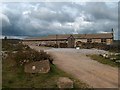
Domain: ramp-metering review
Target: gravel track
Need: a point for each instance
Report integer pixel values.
(76, 63)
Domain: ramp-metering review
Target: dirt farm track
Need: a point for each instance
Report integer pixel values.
(76, 63)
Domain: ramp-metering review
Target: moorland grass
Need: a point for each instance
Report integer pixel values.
(103, 60)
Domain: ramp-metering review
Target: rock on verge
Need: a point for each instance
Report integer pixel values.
(42, 66)
(64, 82)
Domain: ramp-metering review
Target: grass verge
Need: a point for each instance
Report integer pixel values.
(103, 60)
(14, 77)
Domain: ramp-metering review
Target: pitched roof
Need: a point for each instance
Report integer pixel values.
(77, 36)
(93, 36)
(51, 37)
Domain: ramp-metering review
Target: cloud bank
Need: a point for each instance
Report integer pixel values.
(46, 18)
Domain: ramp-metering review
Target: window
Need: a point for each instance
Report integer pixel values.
(103, 40)
(89, 40)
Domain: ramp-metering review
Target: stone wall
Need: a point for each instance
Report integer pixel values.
(82, 40)
(109, 41)
(96, 40)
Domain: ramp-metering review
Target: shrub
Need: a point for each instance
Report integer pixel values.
(13, 45)
(23, 57)
(24, 53)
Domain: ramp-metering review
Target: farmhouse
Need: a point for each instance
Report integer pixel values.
(70, 40)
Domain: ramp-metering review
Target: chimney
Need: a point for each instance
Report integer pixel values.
(112, 30)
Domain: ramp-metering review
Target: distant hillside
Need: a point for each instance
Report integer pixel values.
(11, 44)
(12, 41)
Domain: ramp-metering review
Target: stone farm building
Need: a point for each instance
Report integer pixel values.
(70, 40)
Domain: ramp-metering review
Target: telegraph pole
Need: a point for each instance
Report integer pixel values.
(113, 33)
(57, 40)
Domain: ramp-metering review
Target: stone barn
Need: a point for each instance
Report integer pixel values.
(105, 38)
(70, 40)
(61, 41)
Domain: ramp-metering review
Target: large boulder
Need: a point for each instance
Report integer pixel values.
(42, 66)
(64, 82)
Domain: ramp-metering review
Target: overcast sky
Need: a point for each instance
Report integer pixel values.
(45, 18)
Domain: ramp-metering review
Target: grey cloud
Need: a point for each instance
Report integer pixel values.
(99, 10)
(39, 19)
(5, 20)
(50, 15)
